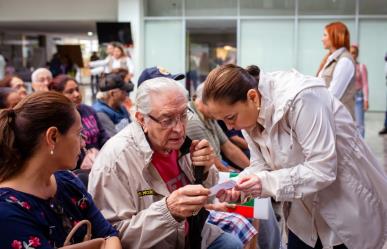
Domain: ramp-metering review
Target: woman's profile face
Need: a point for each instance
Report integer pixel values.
(71, 91)
(241, 115)
(117, 53)
(326, 41)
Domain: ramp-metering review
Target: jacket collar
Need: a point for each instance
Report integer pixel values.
(278, 90)
(141, 141)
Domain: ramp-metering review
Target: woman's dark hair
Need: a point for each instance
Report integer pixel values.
(230, 83)
(21, 127)
(58, 84)
(4, 93)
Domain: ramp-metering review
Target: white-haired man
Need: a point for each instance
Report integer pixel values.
(40, 79)
(141, 179)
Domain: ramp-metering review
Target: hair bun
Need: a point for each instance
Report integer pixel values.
(254, 71)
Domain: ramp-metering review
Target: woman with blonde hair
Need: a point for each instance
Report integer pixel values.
(338, 67)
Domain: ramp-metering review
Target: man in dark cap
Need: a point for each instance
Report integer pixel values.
(109, 106)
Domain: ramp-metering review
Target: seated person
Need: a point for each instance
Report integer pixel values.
(40, 79)
(93, 131)
(9, 97)
(202, 126)
(40, 200)
(15, 83)
(236, 137)
(109, 106)
(141, 180)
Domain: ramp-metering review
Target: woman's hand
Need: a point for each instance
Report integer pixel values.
(250, 185)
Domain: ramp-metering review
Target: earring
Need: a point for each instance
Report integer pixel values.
(52, 152)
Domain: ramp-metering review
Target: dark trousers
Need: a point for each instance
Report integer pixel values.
(295, 243)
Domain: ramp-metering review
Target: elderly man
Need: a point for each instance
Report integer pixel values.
(202, 126)
(141, 177)
(114, 90)
(41, 78)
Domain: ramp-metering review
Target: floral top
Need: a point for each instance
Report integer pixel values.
(27, 221)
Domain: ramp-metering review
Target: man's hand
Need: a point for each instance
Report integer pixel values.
(202, 154)
(187, 201)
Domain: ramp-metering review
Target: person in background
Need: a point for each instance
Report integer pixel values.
(384, 130)
(97, 64)
(93, 131)
(305, 151)
(361, 104)
(128, 104)
(114, 90)
(338, 67)
(203, 126)
(9, 97)
(41, 78)
(16, 83)
(40, 200)
(119, 59)
(94, 79)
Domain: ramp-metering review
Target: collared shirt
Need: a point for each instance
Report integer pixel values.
(342, 75)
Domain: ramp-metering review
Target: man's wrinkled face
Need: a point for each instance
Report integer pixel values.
(165, 125)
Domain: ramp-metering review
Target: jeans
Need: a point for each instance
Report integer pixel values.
(359, 112)
(269, 235)
(226, 241)
(296, 243)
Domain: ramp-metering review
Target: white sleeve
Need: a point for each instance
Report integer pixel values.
(342, 75)
(99, 63)
(130, 64)
(313, 123)
(257, 163)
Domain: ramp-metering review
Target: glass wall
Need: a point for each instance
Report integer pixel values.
(267, 43)
(372, 49)
(164, 45)
(274, 34)
(310, 49)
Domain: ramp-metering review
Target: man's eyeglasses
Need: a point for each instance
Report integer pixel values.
(168, 123)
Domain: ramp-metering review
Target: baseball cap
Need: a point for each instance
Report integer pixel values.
(154, 72)
(114, 81)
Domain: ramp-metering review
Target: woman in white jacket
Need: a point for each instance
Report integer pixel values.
(305, 151)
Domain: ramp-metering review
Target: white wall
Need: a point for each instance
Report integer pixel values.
(42, 10)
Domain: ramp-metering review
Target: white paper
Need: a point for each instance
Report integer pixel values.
(222, 186)
(261, 208)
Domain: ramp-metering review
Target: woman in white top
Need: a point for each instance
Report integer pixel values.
(117, 60)
(338, 67)
(305, 151)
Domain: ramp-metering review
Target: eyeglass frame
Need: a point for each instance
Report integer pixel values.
(174, 120)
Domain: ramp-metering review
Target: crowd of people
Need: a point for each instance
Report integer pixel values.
(142, 174)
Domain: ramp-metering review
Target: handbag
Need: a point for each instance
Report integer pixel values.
(87, 243)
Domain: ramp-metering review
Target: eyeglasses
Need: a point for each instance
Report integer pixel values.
(168, 123)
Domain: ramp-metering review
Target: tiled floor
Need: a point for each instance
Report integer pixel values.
(378, 144)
